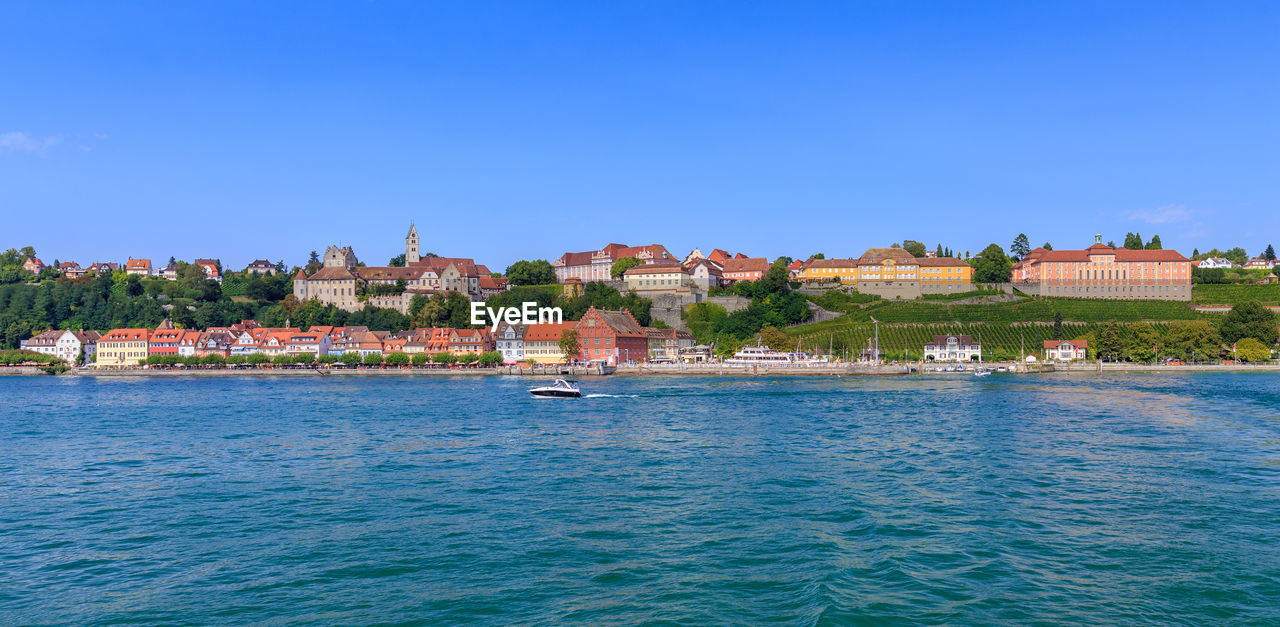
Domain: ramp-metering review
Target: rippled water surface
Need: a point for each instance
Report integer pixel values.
(702, 500)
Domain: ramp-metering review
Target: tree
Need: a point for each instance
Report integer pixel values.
(1133, 241)
(468, 358)
(1154, 244)
(397, 262)
(420, 359)
(535, 272)
(773, 338)
(1249, 319)
(817, 256)
(938, 252)
(622, 265)
(775, 279)
(912, 246)
(1057, 325)
(1195, 252)
(282, 359)
(490, 359)
(257, 359)
(1107, 342)
(1192, 340)
(570, 345)
(1021, 246)
(372, 359)
(1251, 350)
(397, 359)
(1237, 256)
(992, 266)
(1047, 246)
(1141, 342)
(445, 358)
(349, 358)
(1269, 254)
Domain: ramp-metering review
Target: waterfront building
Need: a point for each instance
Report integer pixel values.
(33, 265)
(743, 269)
(542, 342)
(462, 341)
(611, 338)
(952, 348)
(65, 344)
(667, 345)
(1066, 350)
(659, 279)
(595, 265)
(187, 343)
(138, 267)
(510, 342)
(123, 347)
(1101, 271)
(164, 340)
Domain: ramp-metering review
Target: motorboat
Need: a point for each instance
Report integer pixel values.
(981, 373)
(561, 388)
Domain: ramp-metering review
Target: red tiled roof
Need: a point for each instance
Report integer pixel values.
(548, 332)
(754, 264)
(1075, 343)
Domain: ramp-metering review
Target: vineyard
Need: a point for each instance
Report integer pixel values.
(1027, 310)
(1231, 294)
(1000, 340)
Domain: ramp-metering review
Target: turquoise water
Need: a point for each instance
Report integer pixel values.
(1054, 499)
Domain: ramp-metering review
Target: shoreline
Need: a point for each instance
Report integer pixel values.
(717, 370)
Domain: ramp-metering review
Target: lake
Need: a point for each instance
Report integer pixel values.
(1051, 498)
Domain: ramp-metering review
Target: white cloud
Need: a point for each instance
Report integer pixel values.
(1166, 214)
(16, 141)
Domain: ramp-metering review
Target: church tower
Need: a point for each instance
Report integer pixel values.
(411, 245)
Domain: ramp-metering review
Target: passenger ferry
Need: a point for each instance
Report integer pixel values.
(764, 356)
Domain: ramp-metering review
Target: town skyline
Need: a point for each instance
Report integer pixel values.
(850, 126)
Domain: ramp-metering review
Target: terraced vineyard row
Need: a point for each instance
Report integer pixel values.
(1233, 294)
(999, 339)
(1027, 310)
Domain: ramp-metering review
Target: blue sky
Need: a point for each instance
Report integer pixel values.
(521, 130)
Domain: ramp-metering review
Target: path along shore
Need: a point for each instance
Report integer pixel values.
(642, 370)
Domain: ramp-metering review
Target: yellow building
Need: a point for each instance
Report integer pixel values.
(123, 347)
(892, 273)
(828, 270)
(542, 342)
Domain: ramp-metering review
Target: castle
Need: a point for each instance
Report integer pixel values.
(344, 283)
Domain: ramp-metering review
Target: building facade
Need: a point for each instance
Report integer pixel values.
(611, 338)
(1066, 350)
(953, 348)
(123, 347)
(1101, 271)
(596, 265)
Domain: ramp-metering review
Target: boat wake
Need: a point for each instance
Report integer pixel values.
(610, 396)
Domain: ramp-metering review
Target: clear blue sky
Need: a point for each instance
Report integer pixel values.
(509, 131)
